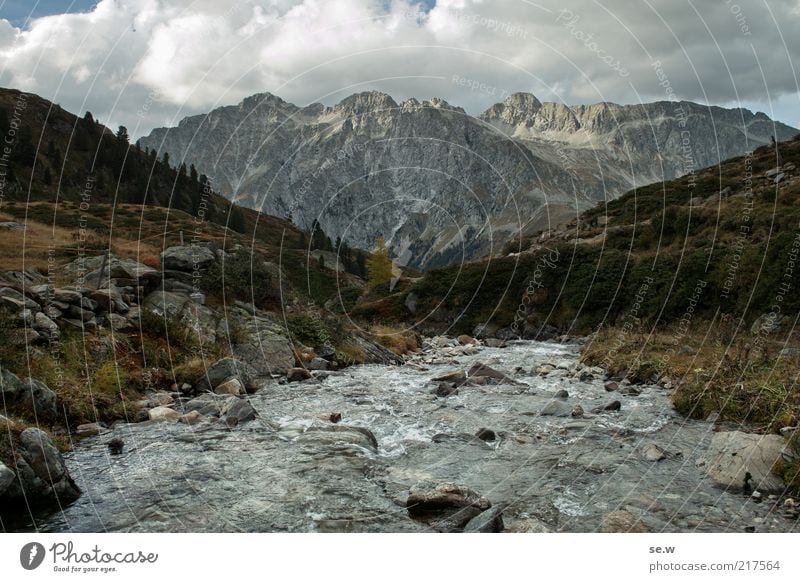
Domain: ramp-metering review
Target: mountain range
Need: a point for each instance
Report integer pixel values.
(440, 185)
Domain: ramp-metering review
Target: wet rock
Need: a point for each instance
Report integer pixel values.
(46, 479)
(610, 407)
(486, 434)
(465, 340)
(544, 369)
(445, 389)
(191, 418)
(115, 446)
(621, 521)
(208, 404)
(162, 413)
(445, 506)
(556, 408)
(456, 377)
(563, 394)
(187, 258)
(237, 411)
(492, 342)
(233, 387)
(611, 386)
(741, 460)
(88, 429)
(480, 370)
(577, 411)
(585, 376)
(490, 521)
(332, 436)
(652, 452)
(297, 374)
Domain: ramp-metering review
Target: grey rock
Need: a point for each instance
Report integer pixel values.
(652, 452)
(47, 464)
(11, 387)
(733, 456)
(318, 364)
(561, 394)
(556, 408)
(237, 411)
(489, 521)
(187, 258)
(39, 398)
(46, 326)
(225, 369)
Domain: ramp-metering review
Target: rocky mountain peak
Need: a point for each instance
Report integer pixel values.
(365, 102)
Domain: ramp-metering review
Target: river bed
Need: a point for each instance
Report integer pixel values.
(288, 471)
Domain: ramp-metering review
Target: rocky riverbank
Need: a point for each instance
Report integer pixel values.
(461, 437)
(105, 339)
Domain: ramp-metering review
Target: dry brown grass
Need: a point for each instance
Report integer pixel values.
(397, 339)
(31, 247)
(710, 372)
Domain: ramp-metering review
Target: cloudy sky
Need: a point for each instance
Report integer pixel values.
(147, 63)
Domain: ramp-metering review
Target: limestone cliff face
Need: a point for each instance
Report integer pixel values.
(438, 184)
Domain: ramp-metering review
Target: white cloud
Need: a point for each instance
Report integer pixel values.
(144, 63)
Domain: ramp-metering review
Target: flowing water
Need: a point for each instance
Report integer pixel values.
(290, 471)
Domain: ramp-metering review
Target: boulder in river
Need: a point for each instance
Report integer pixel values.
(742, 461)
(297, 374)
(238, 410)
(652, 452)
(456, 377)
(486, 434)
(490, 521)
(444, 389)
(479, 370)
(445, 506)
(556, 408)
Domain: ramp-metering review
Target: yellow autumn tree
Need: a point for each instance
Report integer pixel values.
(379, 266)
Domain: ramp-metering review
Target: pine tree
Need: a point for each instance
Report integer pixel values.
(193, 174)
(379, 266)
(122, 134)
